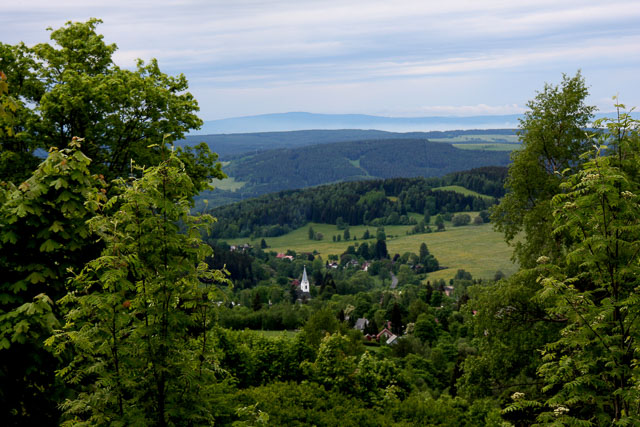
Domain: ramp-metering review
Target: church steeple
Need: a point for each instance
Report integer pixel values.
(304, 285)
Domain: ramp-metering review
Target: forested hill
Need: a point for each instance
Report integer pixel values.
(285, 169)
(361, 202)
(230, 145)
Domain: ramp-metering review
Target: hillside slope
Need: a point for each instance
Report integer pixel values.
(284, 169)
(231, 145)
(359, 203)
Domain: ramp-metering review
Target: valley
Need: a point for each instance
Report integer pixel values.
(346, 269)
(477, 249)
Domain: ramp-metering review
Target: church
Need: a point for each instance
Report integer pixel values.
(304, 284)
(303, 291)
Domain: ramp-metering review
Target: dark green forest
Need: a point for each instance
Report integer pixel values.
(376, 202)
(347, 161)
(119, 307)
(231, 146)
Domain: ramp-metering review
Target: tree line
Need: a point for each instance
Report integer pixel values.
(353, 203)
(349, 161)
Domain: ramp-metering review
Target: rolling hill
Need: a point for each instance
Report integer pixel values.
(232, 145)
(284, 169)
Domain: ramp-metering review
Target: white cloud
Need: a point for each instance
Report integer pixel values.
(322, 54)
(471, 110)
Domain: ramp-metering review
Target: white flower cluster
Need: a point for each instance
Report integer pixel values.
(628, 195)
(589, 177)
(517, 395)
(560, 410)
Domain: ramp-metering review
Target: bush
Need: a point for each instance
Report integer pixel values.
(460, 219)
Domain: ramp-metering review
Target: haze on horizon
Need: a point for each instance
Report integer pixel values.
(400, 59)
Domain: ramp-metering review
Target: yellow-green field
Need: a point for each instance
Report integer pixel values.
(495, 146)
(478, 137)
(229, 184)
(462, 190)
(476, 248)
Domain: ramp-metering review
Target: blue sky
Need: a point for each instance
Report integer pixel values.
(394, 58)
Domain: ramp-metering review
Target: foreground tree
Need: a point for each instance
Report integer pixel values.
(512, 322)
(43, 234)
(19, 88)
(552, 134)
(591, 371)
(73, 88)
(139, 314)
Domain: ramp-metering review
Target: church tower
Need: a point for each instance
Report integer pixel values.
(304, 285)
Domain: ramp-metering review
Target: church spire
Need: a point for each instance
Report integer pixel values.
(304, 285)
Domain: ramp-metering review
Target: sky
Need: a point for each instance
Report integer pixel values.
(400, 58)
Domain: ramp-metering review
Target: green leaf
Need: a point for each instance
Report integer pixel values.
(56, 227)
(35, 277)
(59, 183)
(49, 246)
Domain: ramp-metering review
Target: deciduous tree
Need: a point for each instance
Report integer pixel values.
(139, 314)
(552, 135)
(73, 88)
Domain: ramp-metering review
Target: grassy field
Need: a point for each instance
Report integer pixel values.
(229, 184)
(494, 146)
(462, 190)
(476, 248)
(478, 138)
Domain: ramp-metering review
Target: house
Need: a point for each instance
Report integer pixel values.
(365, 266)
(361, 324)
(448, 290)
(385, 334)
(283, 256)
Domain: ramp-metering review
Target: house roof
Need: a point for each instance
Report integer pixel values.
(361, 323)
(392, 339)
(386, 332)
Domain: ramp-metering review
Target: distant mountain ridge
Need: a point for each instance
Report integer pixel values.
(278, 122)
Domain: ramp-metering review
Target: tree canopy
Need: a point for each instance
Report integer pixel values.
(71, 87)
(552, 134)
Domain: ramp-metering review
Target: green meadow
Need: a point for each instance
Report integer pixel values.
(481, 138)
(228, 184)
(477, 249)
(495, 146)
(462, 190)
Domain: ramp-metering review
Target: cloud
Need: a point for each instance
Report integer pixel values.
(472, 110)
(354, 48)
